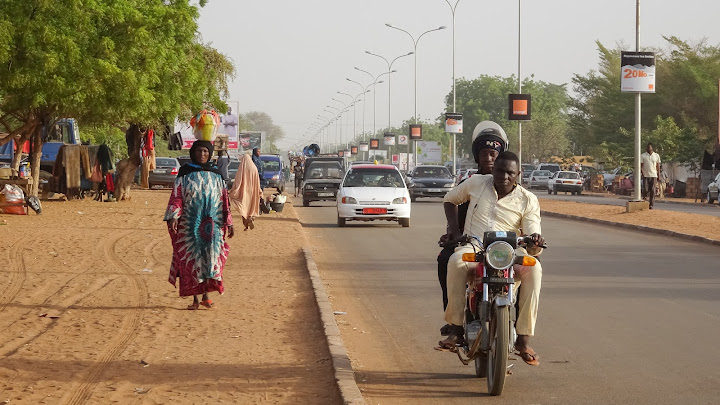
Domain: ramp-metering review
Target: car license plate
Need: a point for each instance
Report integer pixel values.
(374, 210)
(159, 171)
(325, 194)
(568, 182)
(435, 190)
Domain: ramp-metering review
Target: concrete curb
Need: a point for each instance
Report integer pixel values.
(655, 231)
(344, 375)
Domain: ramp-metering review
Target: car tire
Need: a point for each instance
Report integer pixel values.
(413, 198)
(555, 192)
(341, 221)
(549, 190)
(709, 199)
(306, 203)
(404, 222)
(578, 192)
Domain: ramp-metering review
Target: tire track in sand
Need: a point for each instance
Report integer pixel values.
(17, 273)
(82, 391)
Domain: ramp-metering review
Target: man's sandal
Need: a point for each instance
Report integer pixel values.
(529, 356)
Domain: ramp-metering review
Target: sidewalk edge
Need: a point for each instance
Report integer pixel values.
(344, 375)
(640, 228)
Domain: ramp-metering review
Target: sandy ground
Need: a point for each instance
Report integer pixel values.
(694, 224)
(87, 314)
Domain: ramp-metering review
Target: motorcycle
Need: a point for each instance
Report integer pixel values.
(490, 302)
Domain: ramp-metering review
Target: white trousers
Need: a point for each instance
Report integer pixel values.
(529, 276)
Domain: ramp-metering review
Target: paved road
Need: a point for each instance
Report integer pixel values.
(625, 317)
(706, 209)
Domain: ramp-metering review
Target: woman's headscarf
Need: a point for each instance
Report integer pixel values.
(245, 193)
(196, 166)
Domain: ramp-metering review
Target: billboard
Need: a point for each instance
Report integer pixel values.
(453, 123)
(229, 124)
(519, 107)
(389, 138)
(428, 152)
(638, 72)
(415, 132)
(249, 140)
(364, 147)
(374, 143)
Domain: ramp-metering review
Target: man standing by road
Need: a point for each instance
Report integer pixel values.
(650, 167)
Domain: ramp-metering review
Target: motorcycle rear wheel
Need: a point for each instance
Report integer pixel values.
(498, 354)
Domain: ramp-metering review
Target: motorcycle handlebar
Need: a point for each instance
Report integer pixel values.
(465, 239)
(527, 241)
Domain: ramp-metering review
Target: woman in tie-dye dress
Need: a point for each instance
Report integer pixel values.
(199, 221)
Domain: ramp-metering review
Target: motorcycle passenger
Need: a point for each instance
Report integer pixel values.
(497, 203)
(489, 140)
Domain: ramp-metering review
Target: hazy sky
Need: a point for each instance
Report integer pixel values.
(292, 56)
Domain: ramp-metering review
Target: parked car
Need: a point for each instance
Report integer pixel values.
(273, 172)
(539, 179)
(527, 169)
(164, 174)
(374, 192)
(184, 159)
(712, 194)
(565, 181)
(233, 167)
(430, 181)
(552, 167)
(322, 180)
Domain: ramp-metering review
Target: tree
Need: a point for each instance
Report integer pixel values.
(261, 121)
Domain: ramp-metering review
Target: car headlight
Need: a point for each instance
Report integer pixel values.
(449, 185)
(276, 177)
(500, 255)
(348, 200)
(400, 200)
(309, 187)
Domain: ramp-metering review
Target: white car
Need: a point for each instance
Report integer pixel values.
(713, 187)
(373, 192)
(565, 181)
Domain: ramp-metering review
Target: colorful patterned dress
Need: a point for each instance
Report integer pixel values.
(200, 203)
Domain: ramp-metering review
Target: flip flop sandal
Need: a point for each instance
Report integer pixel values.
(529, 357)
(193, 307)
(207, 304)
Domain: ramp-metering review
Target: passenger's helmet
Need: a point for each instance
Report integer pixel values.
(488, 134)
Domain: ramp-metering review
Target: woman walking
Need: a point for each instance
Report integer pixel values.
(246, 193)
(199, 221)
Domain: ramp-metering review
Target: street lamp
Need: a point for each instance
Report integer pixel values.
(375, 81)
(415, 45)
(389, 65)
(453, 8)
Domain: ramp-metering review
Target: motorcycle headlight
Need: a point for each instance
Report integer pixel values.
(400, 200)
(500, 255)
(349, 200)
(449, 185)
(309, 187)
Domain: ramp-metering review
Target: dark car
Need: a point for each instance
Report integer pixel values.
(233, 167)
(166, 170)
(430, 181)
(184, 159)
(322, 180)
(273, 172)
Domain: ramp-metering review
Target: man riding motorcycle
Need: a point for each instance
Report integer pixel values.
(497, 203)
(489, 140)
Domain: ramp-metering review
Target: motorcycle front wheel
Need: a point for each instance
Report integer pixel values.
(498, 354)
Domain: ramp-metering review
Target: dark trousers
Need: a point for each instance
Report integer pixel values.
(443, 259)
(648, 188)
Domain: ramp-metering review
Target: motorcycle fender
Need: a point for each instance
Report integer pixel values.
(503, 302)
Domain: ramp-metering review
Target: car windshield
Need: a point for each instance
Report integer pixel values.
(528, 168)
(432, 172)
(542, 173)
(373, 178)
(271, 165)
(568, 175)
(321, 170)
(551, 168)
(165, 162)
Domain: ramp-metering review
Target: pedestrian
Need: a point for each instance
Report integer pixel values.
(199, 221)
(299, 173)
(222, 163)
(649, 167)
(261, 175)
(245, 194)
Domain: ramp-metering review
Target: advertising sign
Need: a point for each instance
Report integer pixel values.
(403, 161)
(251, 140)
(389, 138)
(354, 150)
(395, 159)
(229, 124)
(341, 153)
(453, 123)
(364, 147)
(402, 139)
(428, 152)
(374, 143)
(347, 153)
(416, 132)
(638, 72)
(186, 133)
(519, 107)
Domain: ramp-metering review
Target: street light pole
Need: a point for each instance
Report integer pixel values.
(519, 89)
(389, 65)
(415, 45)
(363, 94)
(375, 81)
(638, 111)
(453, 8)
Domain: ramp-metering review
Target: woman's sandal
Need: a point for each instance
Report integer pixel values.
(194, 306)
(207, 304)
